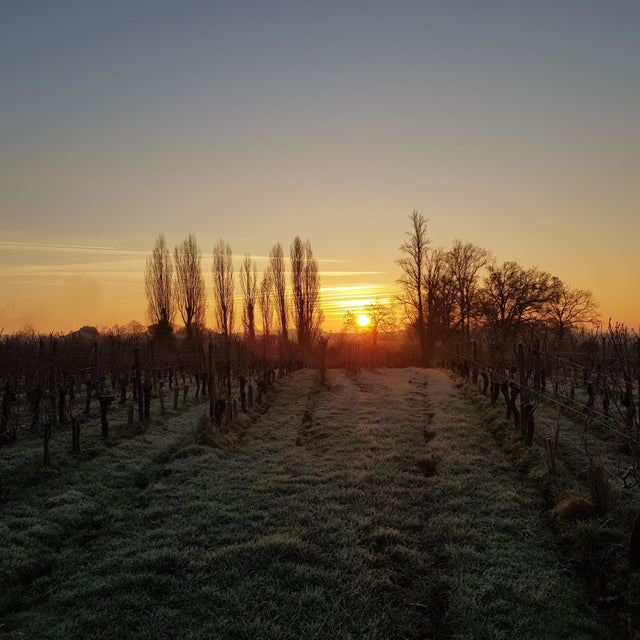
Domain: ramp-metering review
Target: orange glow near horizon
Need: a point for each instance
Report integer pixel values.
(53, 287)
(337, 301)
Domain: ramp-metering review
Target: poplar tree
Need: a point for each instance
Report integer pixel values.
(278, 278)
(158, 288)
(305, 283)
(223, 287)
(249, 287)
(189, 284)
(266, 299)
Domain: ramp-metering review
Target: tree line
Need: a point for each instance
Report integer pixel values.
(454, 293)
(175, 286)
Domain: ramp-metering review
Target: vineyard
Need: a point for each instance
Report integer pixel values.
(590, 395)
(212, 489)
(64, 383)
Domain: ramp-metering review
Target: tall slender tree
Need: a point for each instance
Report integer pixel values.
(266, 299)
(223, 287)
(222, 271)
(249, 287)
(305, 283)
(158, 288)
(278, 276)
(189, 284)
(412, 263)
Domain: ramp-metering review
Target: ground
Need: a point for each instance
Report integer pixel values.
(376, 506)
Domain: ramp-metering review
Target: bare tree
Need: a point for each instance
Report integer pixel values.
(512, 297)
(465, 260)
(278, 275)
(414, 250)
(438, 297)
(222, 271)
(266, 307)
(382, 321)
(189, 284)
(158, 288)
(569, 308)
(305, 282)
(249, 287)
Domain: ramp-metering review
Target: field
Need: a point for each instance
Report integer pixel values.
(385, 504)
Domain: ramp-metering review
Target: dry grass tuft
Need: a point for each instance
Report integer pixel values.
(570, 509)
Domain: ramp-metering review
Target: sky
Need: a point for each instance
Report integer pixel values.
(511, 125)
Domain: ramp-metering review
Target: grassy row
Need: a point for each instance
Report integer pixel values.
(375, 507)
(590, 530)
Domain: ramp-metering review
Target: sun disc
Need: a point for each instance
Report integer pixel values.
(363, 320)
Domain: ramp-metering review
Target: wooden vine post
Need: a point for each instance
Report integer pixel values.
(474, 370)
(212, 386)
(514, 393)
(62, 393)
(89, 385)
(123, 389)
(148, 385)
(52, 383)
(9, 397)
(105, 402)
(161, 396)
(322, 343)
(551, 454)
(528, 422)
(243, 393)
(138, 384)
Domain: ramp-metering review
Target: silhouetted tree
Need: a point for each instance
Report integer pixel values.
(223, 295)
(223, 288)
(412, 264)
(512, 296)
(158, 288)
(569, 308)
(465, 260)
(382, 321)
(249, 287)
(278, 275)
(305, 283)
(438, 297)
(189, 284)
(266, 296)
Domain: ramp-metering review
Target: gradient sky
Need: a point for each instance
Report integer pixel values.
(512, 125)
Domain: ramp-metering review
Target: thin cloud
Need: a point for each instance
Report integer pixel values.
(349, 274)
(354, 287)
(111, 268)
(66, 248)
(338, 300)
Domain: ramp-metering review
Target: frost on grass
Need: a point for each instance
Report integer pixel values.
(374, 506)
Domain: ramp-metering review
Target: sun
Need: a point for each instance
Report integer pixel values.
(363, 320)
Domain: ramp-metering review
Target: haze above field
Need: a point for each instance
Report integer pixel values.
(514, 126)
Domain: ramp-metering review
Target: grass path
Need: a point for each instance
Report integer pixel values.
(377, 507)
